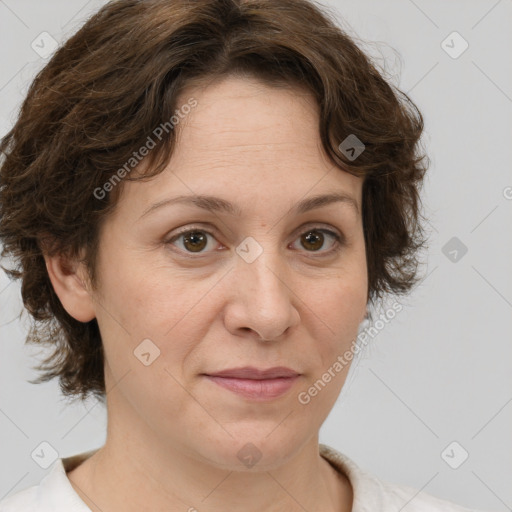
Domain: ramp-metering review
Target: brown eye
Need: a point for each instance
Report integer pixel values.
(192, 241)
(195, 241)
(314, 239)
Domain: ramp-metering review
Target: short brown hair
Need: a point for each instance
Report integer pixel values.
(108, 87)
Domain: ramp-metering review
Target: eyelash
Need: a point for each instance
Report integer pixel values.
(339, 240)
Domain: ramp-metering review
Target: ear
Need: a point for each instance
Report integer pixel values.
(69, 279)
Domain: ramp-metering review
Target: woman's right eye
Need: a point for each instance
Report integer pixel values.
(194, 240)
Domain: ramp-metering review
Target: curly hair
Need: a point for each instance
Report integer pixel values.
(119, 76)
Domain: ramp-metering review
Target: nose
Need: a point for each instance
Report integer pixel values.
(262, 300)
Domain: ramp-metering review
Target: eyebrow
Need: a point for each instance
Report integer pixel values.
(217, 204)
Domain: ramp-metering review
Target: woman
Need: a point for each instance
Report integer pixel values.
(205, 200)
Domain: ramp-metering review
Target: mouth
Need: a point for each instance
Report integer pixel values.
(256, 383)
(256, 389)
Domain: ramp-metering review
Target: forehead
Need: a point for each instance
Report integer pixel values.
(245, 112)
(248, 141)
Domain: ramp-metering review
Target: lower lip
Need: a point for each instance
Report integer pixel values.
(265, 389)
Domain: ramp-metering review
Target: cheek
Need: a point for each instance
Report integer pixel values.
(148, 332)
(145, 302)
(135, 294)
(342, 298)
(337, 310)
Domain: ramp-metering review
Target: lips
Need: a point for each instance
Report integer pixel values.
(249, 372)
(256, 384)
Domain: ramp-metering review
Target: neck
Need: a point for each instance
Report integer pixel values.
(145, 479)
(140, 468)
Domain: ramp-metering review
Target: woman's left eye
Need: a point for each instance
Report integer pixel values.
(196, 240)
(314, 238)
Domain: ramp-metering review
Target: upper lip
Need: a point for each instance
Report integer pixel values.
(249, 372)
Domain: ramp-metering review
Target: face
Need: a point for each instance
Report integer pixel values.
(265, 285)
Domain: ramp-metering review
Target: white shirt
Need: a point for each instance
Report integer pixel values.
(56, 494)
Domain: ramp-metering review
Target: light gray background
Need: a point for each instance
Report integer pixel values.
(441, 371)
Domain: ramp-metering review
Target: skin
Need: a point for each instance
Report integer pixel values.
(173, 435)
